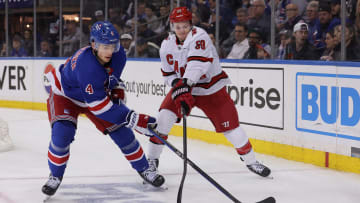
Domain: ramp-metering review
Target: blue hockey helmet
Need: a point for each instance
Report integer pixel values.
(103, 32)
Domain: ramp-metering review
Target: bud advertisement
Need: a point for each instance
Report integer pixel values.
(328, 104)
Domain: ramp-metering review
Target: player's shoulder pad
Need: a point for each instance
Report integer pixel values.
(196, 34)
(166, 43)
(168, 39)
(121, 53)
(80, 58)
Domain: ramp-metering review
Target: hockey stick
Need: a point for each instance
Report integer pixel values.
(185, 159)
(205, 175)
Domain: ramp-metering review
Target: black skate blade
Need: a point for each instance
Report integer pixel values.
(268, 200)
(161, 187)
(269, 177)
(47, 198)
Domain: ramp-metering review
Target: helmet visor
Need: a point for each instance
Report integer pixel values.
(107, 47)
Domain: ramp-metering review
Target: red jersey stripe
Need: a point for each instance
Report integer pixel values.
(100, 106)
(200, 58)
(214, 80)
(167, 73)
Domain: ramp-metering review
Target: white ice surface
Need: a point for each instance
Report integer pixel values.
(97, 172)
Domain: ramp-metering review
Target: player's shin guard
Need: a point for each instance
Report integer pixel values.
(165, 121)
(246, 153)
(59, 148)
(156, 147)
(124, 138)
(135, 155)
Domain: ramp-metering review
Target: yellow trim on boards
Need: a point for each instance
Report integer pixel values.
(315, 157)
(23, 105)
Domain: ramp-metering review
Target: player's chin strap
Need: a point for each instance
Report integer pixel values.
(95, 52)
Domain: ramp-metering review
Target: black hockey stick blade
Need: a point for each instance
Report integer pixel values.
(268, 200)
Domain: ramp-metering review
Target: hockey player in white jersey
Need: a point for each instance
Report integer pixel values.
(190, 65)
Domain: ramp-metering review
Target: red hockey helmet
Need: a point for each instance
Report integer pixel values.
(180, 14)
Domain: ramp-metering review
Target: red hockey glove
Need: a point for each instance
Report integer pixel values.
(117, 94)
(181, 95)
(141, 123)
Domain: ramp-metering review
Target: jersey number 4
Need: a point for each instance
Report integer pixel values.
(89, 89)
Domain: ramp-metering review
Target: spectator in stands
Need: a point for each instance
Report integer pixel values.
(126, 42)
(54, 27)
(300, 48)
(45, 50)
(242, 44)
(71, 40)
(212, 37)
(201, 7)
(357, 22)
(145, 32)
(54, 22)
(280, 12)
(263, 51)
(118, 16)
(335, 8)
(327, 23)
(151, 18)
(259, 18)
(17, 49)
(328, 54)
(220, 51)
(352, 47)
(301, 5)
(28, 43)
(241, 16)
(292, 17)
(285, 39)
(3, 49)
(225, 12)
(224, 23)
(227, 44)
(196, 20)
(130, 23)
(164, 25)
(141, 10)
(99, 15)
(245, 4)
(311, 18)
(145, 49)
(255, 40)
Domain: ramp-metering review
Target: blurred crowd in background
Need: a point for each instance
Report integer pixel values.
(304, 30)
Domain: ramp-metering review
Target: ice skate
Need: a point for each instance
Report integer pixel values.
(151, 175)
(153, 163)
(259, 169)
(51, 186)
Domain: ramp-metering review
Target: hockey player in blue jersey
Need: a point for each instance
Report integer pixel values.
(89, 83)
